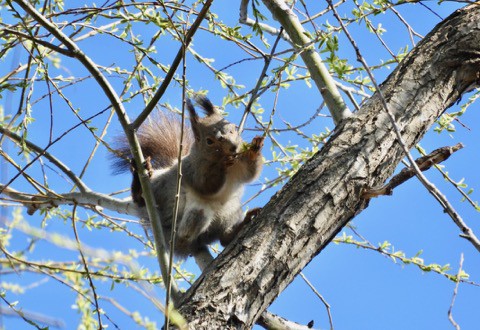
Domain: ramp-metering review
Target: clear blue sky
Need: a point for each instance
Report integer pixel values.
(365, 290)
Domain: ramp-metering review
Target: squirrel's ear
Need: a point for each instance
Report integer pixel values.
(192, 112)
(194, 120)
(206, 105)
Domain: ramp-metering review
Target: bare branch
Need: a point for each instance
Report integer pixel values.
(327, 305)
(88, 199)
(455, 292)
(272, 321)
(244, 19)
(87, 271)
(42, 152)
(32, 316)
(424, 163)
(254, 95)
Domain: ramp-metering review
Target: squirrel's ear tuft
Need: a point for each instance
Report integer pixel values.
(206, 105)
(191, 111)
(194, 120)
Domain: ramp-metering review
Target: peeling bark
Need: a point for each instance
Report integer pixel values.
(301, 219)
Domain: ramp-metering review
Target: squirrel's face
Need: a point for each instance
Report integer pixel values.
(217, 138)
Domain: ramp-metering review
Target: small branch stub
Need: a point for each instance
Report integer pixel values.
(424, 163)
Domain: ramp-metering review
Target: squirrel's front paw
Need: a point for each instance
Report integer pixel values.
(255, 147)
(148, 166)
(257, 143)
(251, 214)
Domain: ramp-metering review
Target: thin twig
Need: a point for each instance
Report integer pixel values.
(40, 269)
(33, 316)
(323, 12)
(244, 19)
(455, 292)
(85, 266)
(21, 313)
(30, 62)
(327, 305)
(61, 267)
(375, 31)
(168, 303)
(253, 97)
(173, 67)
(274, 108)
(41, 189)
(43, 152)
(37, 40)
(393, 255)
(411, 31)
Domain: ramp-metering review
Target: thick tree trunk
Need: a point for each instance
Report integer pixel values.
(324, 195)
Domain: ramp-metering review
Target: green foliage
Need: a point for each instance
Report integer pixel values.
(387, 249)
(446, 122)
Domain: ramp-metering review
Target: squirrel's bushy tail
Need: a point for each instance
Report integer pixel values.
(159, 137)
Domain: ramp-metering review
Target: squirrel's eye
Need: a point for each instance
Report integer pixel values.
(209, 141)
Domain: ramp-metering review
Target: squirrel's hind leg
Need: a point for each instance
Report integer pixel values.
(230, 233)
(136, 187)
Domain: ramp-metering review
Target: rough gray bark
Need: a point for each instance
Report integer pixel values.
(324, 195)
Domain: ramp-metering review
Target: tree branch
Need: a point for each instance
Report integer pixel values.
(88, 199)
(327, 305)
(424, 163)
(455, 292)
(37, 40)
(272, 321)
(318, 71)
(203, 258)
(255, 90)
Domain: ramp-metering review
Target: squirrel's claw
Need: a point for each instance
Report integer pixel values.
(255, 147)
(257, 143)
(148, 166)
(252, 214)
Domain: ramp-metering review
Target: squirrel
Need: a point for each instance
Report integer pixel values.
(216, 164)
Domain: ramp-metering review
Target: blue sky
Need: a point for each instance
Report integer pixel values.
(364, 289)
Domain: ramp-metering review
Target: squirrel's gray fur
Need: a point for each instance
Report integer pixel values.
(216, 164)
